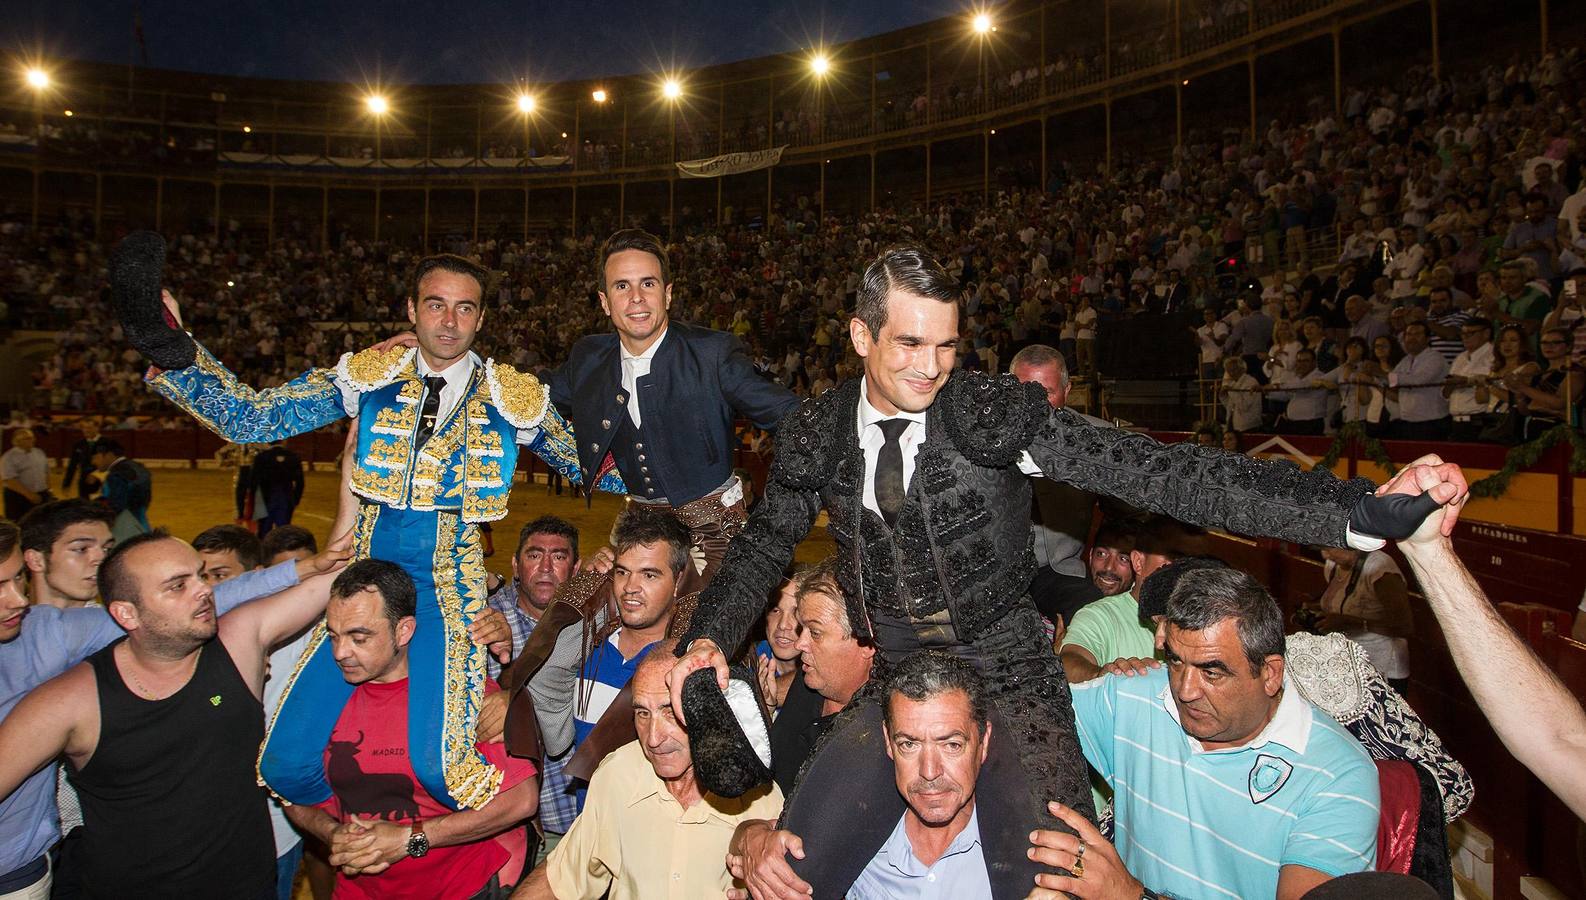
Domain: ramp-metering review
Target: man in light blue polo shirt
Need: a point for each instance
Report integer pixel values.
(1227, 783)
(937, 730)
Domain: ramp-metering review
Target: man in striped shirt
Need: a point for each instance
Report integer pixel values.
(1227, 783)
(547, 556)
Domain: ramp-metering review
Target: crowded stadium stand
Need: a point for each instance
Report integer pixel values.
(1215, 209)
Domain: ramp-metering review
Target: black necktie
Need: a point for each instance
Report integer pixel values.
(431, 410)
(889, 470)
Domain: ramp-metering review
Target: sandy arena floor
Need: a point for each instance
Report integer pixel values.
(186, 501)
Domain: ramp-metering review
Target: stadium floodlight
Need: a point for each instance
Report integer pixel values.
(525, 103)
(981, 23)
(671, 89)
(819, 64)
(37, 78)
(599, 95)
(377, 104)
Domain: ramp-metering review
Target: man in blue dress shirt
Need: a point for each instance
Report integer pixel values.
(937, 733)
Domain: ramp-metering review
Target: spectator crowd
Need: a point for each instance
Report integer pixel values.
(1435, 217)
(1448, 305)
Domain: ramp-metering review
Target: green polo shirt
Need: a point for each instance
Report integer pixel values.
(1110, 628)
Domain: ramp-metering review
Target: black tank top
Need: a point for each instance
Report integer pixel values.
(171, 807)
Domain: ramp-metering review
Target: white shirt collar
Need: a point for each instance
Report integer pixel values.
(869, 415)
(649, 352)
(456, 374)
(1289, 726)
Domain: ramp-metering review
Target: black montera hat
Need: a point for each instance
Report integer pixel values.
(729, 733)
(136, 267)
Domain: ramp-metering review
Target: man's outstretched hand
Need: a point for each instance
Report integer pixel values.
(1434, 531)
(335, 556)
(1398, 508)
(701, 654)
(1442, 481)
(1097, 871)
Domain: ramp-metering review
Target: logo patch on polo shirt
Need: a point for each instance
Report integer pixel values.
(1268, 776)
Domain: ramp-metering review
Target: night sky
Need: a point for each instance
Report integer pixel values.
(412, 42)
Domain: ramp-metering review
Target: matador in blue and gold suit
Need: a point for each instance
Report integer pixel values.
(422, 506)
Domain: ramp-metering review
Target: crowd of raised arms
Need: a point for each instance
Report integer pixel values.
(1025, 614)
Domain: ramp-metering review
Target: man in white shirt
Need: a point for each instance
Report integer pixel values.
(26, 473)
(1360, 243)
(1211, 336)
(1417, 383)
(1306, 392)
(1407, 263)
(1471, 366)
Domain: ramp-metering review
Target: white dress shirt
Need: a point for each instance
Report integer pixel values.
(636, 367)
(457, 376)
(1306, 402)
(1469, 364)
(871, 440)
(1420, 382)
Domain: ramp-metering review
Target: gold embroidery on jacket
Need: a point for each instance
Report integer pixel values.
(459, 589)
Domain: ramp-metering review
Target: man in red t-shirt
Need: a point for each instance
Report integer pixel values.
(388, 837)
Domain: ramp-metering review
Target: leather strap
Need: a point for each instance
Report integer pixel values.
(614, 729)
(576, 601)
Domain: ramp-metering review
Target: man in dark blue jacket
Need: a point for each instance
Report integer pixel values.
(657, 399)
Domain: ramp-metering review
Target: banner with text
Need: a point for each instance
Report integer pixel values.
(730, 163)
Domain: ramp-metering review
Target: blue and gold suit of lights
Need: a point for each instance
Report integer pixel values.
(422, 508)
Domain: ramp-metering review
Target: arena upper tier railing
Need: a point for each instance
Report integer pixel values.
(942, 76)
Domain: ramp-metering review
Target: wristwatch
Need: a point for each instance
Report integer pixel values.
(418, 841)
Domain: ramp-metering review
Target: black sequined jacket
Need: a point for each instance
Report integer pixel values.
(962, 539)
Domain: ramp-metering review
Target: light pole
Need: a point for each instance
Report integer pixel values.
(672, 90)
(378, 106)
(983, 26)
(526, 108)
(39, 80)
(820, 64)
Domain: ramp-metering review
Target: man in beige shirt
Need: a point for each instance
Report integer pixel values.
(646, 822)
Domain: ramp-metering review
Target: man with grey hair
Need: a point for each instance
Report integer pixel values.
(1284, 797)
(649, 827)
(1060, 515)
(834, 664)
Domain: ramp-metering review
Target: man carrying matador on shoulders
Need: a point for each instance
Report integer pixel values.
(923, 472)
(438, 437)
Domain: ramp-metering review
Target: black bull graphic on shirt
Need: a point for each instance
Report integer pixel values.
(384, 795)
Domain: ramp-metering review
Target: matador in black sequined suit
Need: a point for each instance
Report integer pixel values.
(952, 575)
